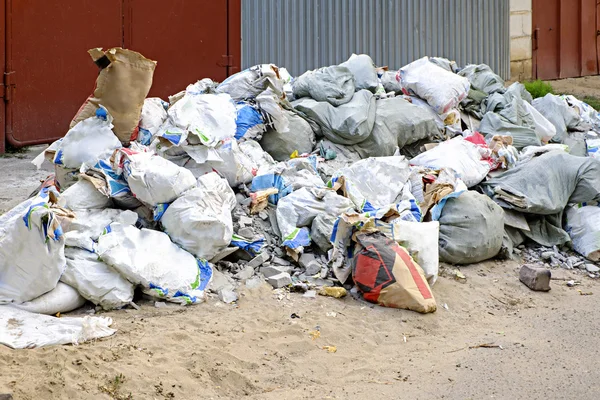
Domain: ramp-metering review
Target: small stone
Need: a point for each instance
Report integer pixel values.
(160, 304)
(581, 266)
(259, 259)
(517, 251)
(247, 201)
(578, 264)
(263, 215)
(305, 259)
(246, 233)
(324, 272)
(219, 281)
(227, 296)
(271, 270)
(245, 221)
(246, 273)
(547, 255)
(521, 246)
(280, 280)
(311, 294)
(280, 261)
(537, 279)
(6, 396)
(591, 268)
(313, 268)
(278, 252)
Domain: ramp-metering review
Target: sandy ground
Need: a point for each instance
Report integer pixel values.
(255, 350)
(578, 87)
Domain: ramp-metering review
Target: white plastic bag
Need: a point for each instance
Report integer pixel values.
(88, 225)
(443, 90)
(155, 180)
(457, 154)
(420, 239)
(367, 182)
(21, 329)
(63, 298)
(83, 195)
(96, 281)
(87, 142)
(154, 115)
(32, 254)
(240, 162)
(250, 82)
(297, 211)
(544, 129)
(583, 226)
(149, 258)
(200, 220)
(209, 117)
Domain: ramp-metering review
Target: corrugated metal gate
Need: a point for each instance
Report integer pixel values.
(565, 38)
(307, 34)
(48, 73)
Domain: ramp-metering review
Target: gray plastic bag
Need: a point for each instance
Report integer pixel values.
(507, 114)
(471, 229)
(333, 84)
(363, 69)
(482, 78)
(299, 137)
(346, 124)
(546, 184)
(397, 123)
(557, 111)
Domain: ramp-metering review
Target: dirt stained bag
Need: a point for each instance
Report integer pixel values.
(387, 275)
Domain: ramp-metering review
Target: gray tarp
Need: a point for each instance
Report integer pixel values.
(331, 84)
(506, 114)
(471, 229)
(347, 124)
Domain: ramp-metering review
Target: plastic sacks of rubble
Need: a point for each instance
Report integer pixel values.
(301, 180)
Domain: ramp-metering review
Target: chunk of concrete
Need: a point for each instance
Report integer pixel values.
(227, 296)
(246, 273)
(272, 270)
(280, 280)
(534, 278)
(259, 260)
(220, 281)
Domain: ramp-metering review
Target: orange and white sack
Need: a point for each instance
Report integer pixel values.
(387, 275)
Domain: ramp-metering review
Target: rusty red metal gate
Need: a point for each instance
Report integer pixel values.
(565, 36)
(48, 73)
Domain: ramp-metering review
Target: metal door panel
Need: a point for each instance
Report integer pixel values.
(187, 38)
(546, 23)
(47, 43)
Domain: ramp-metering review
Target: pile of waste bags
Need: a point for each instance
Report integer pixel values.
(348, 175)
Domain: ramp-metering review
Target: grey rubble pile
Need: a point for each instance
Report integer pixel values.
(268, 178)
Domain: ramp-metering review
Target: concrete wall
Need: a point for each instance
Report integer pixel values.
(520, 40)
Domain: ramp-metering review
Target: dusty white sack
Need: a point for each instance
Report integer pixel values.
(32, 254)
(88, 225)
(200, 220)
(83, 195)
(443, 90)
(583, 226)
(63, 298)
(21, 329)
(155, 180)
(96, 281)
(457, 154)
(149, 258)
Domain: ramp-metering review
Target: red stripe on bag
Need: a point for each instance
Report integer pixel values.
(425, 292)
